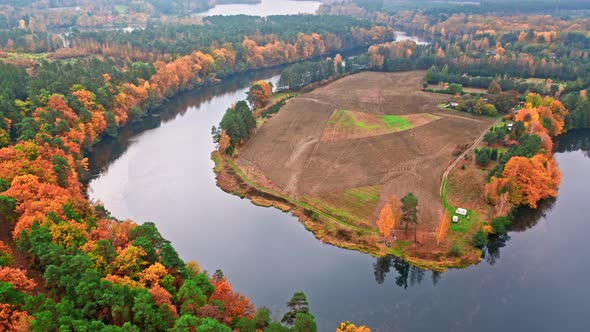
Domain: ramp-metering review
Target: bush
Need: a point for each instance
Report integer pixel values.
(500, 224)
(463, 167)
(494, 154)
(455, 88)
(483, 157)
(315, 216)
(456, 250)
(480, 239)
(6, 259)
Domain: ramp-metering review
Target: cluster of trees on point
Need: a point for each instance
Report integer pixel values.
(302, 74)
(237, 123)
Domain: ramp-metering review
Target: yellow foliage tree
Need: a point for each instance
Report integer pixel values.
(443, 227)
(152, 274)
(386, 221)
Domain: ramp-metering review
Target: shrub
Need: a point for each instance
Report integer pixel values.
(315, 216)
(480, 239)
(455, 89)
(494, 154)
(456, 250)
(499, 225)
(483, 157)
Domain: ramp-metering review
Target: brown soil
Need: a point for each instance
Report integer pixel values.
(287, 152)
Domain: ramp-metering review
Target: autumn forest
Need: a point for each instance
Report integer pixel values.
(72, 77)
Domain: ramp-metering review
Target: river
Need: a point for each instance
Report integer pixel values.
(160, 171)
(265, 8)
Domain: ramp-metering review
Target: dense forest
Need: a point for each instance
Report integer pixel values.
(67, 264)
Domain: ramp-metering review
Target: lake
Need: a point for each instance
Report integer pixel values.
(160, 170)
(266, 8)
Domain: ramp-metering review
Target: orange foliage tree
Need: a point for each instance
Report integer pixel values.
(443, 227)
(17, 278)
(349, 327)
(530, 180)
(386, 223)
(13, 320)
(236, 305)
(260, 94)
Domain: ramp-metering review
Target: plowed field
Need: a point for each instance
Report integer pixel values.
(348, 147)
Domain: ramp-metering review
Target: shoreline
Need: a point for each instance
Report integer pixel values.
(453, 249)
(231, 179)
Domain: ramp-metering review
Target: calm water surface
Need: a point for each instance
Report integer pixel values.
(266, 8)
(534, 279)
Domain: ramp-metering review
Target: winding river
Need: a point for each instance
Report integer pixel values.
(533, 279)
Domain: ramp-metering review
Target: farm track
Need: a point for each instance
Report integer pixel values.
(462, 156)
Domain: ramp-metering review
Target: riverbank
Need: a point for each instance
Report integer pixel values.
(328, 229)
(262, 250)
(341, 204)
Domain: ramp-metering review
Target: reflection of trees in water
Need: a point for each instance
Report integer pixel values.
(492, 251)
(112, 148)
(574, 140)
(525, 218)
(407, 274)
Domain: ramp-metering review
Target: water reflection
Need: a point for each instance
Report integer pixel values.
(407, 274)
(165, 175)
(575, 140)
(112, 148)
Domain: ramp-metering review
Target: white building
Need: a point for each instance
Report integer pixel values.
(461, 211)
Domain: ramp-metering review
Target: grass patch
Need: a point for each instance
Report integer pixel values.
(355, 206)
(346, 119)
(366, 194)
(390, 123)
(465, 223)
(398, 122)
(283, 95)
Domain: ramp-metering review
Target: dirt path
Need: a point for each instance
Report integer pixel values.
(452, 165)
(316, 101)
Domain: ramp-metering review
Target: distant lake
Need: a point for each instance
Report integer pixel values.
(266, 8)
(401, 36)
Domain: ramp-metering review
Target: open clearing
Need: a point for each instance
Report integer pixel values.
(348, 147)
